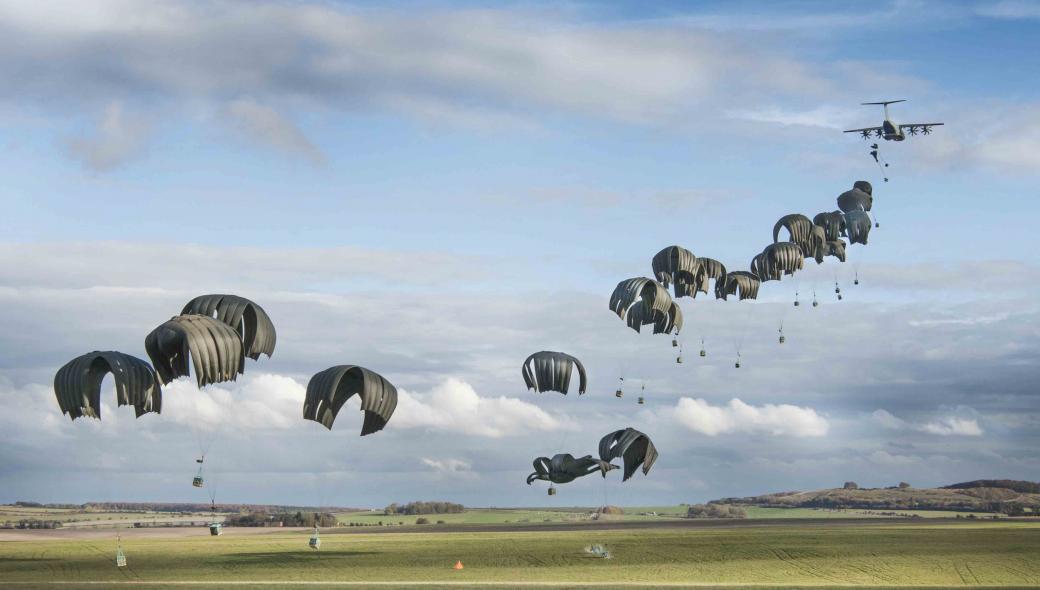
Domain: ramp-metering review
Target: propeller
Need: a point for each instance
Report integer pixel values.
(912, 130)
(878, 133)
(865, 133)
(926, 130)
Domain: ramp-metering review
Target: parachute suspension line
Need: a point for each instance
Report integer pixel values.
(781, 330)
(815, 303)
(704, 351)
(875, 152)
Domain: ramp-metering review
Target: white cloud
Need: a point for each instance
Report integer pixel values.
(1010, 9)
(738, 417)
(945, 426)
(951, 426)
(825, 116)
(889, 459)
(454, 406)
(448, 466)
(269, 126)
(254, 402)
(120, 137)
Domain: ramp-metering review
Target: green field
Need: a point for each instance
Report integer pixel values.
(820, 554)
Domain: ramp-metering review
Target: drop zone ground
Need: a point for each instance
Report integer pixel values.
(727, 554)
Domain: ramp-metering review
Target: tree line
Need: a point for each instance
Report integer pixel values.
(412, 508)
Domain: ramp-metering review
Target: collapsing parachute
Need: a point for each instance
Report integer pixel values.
(632, 446)
(860, 198)
(564, 468)
(77, 384)
(215, 349)
(328, 390)
(551, 371)
(250, 320)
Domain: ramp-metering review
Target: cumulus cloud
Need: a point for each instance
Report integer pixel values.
(700, 416)
(256, 401)
(449, 467)
(454, 406)
(944, 426)
(119, 137)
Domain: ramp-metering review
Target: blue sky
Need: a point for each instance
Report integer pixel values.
(436, 190)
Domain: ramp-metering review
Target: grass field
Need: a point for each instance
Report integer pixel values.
(825, 553)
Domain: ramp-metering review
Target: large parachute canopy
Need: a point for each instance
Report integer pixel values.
(857, 227)
(832, 222)
(817, 245)
(328, 390)
(564, 468)
(856, 199)
(645, 301)
(632, 446)
(247, 318)
(763, 269)
(709, 269)
(740, 283)
(551, 371)
(676, 266)
(798, 226)
(77, 384)
(215, 349)
(781, 258)
(835, 248)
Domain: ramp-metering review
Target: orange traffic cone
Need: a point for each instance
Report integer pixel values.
(458, 565)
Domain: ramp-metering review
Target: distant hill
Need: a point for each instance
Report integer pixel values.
(1003, 496)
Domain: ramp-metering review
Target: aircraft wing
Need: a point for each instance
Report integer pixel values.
(915, 128)
(909, 125)
(867, 131)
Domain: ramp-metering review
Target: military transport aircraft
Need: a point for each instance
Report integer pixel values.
(891, 131)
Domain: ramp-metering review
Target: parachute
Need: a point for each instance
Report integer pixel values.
(250, 320)
(833, 224)
(551, 371)
(761, 268)
(798, 226)
(740, 283)
(857, 227)
(835, 248)
(215, 349)
(328, 390)
(783, 258)
(632, 446)
(858, 199)
(564, 468)
(644, 302)
(77, 384)
(676, 266)
(709, 269)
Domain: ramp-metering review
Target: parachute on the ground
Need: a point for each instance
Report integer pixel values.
(741, 283)
(215, 349)
(676, 266)
(247, 318)
(632, 446)
(77, 384)
(551, 371)
(564, 468)
(328, 390)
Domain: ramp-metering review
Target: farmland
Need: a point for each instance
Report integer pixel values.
(789, 553)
